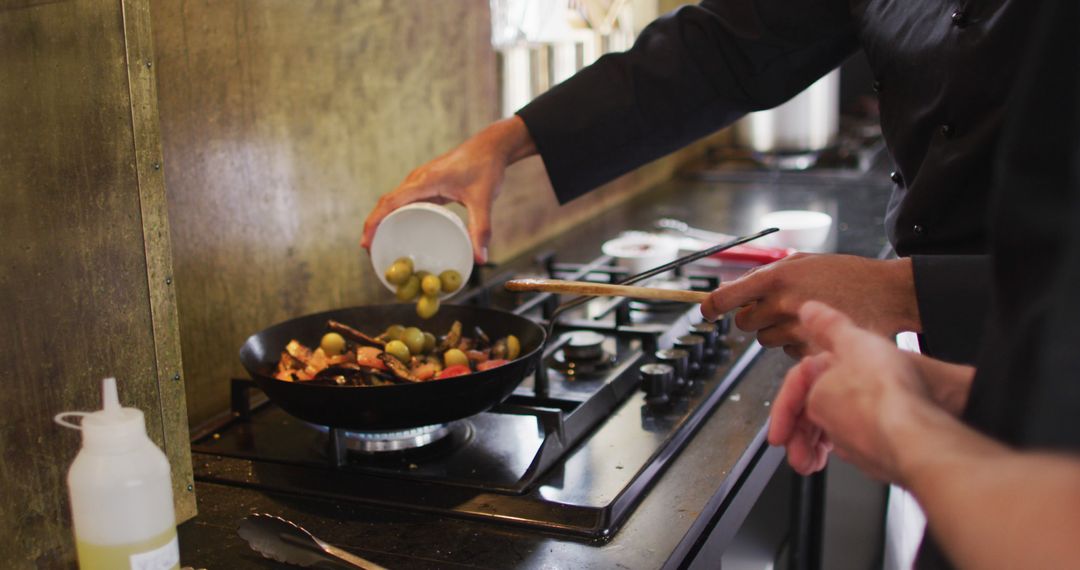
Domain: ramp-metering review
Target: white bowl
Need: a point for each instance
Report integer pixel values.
(638, 252)
(803, 230)
(433, 236)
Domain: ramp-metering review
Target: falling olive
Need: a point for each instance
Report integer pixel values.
(431, 285)
(399, 271)
(332, 344)
(414, 339)
(427, 306)
(455, 357)
(450, 281)
(409, 290)
(398, 350)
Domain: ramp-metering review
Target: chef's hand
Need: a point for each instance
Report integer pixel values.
(470, 174)
(878, 294)
(856, 396)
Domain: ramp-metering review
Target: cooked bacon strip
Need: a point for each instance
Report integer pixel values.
(287, 362)
(400, 370)
(353, 334)
(298, 351)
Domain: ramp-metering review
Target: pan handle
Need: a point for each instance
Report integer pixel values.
(541, 385)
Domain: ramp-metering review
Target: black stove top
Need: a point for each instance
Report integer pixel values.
(572, 450)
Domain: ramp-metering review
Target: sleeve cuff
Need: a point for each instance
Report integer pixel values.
(953, 295)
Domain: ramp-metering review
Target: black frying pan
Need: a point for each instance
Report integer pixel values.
(398, 406)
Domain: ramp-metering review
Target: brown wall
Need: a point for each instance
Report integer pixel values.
(282, 122)
(84, 257)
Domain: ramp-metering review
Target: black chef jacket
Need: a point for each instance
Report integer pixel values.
(1026, 392)
(943, 70)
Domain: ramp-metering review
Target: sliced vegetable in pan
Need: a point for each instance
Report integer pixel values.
(348, 356)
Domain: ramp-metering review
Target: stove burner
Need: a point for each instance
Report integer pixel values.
(583, 345)
(397, 440)
(582, 355)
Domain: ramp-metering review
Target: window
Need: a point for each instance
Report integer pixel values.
(542, 42)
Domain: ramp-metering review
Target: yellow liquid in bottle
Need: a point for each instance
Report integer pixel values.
(118, 556)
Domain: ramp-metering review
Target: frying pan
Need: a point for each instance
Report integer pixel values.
(397, 406)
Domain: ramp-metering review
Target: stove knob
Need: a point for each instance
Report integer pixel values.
(723, 325)
(695, 346)
(679, 360)
(711, 333)
(657, 380)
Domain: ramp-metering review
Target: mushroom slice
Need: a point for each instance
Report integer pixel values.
(353, 334)
(398, 368)
(452, 338)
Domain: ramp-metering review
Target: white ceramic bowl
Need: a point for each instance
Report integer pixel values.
(639, 251)
(803, 230)
(433, 236)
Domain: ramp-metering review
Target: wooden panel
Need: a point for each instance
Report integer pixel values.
(281, 123)
(76, 304)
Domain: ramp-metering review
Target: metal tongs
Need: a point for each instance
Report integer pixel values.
(288, 542)
(577, 301)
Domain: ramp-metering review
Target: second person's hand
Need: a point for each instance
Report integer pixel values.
(879, 295)
(471, 174)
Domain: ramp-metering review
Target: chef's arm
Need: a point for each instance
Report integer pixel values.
(988, 505)
(953, 296)
(470, 174)
(947, 384)
(689, 74)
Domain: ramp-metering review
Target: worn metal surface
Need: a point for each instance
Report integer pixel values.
(74, 293)
(146, 138)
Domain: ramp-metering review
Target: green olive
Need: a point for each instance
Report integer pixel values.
(414, 339)
(429, 342)
(450, 281)
(430, 285)
(409, 290)
(332, 344)
(454, 357)
(394, 332)
(399, 271)
(427, 306)
(513, 347)
(398, 350)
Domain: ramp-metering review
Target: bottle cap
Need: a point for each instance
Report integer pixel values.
(112, 427)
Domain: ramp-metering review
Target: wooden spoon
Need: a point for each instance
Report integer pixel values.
(604, 289)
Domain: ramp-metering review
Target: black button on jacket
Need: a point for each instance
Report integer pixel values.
(702, 67)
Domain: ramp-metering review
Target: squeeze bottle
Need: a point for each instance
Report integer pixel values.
(121, 491)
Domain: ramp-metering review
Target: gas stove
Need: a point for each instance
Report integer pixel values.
(622, 386)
